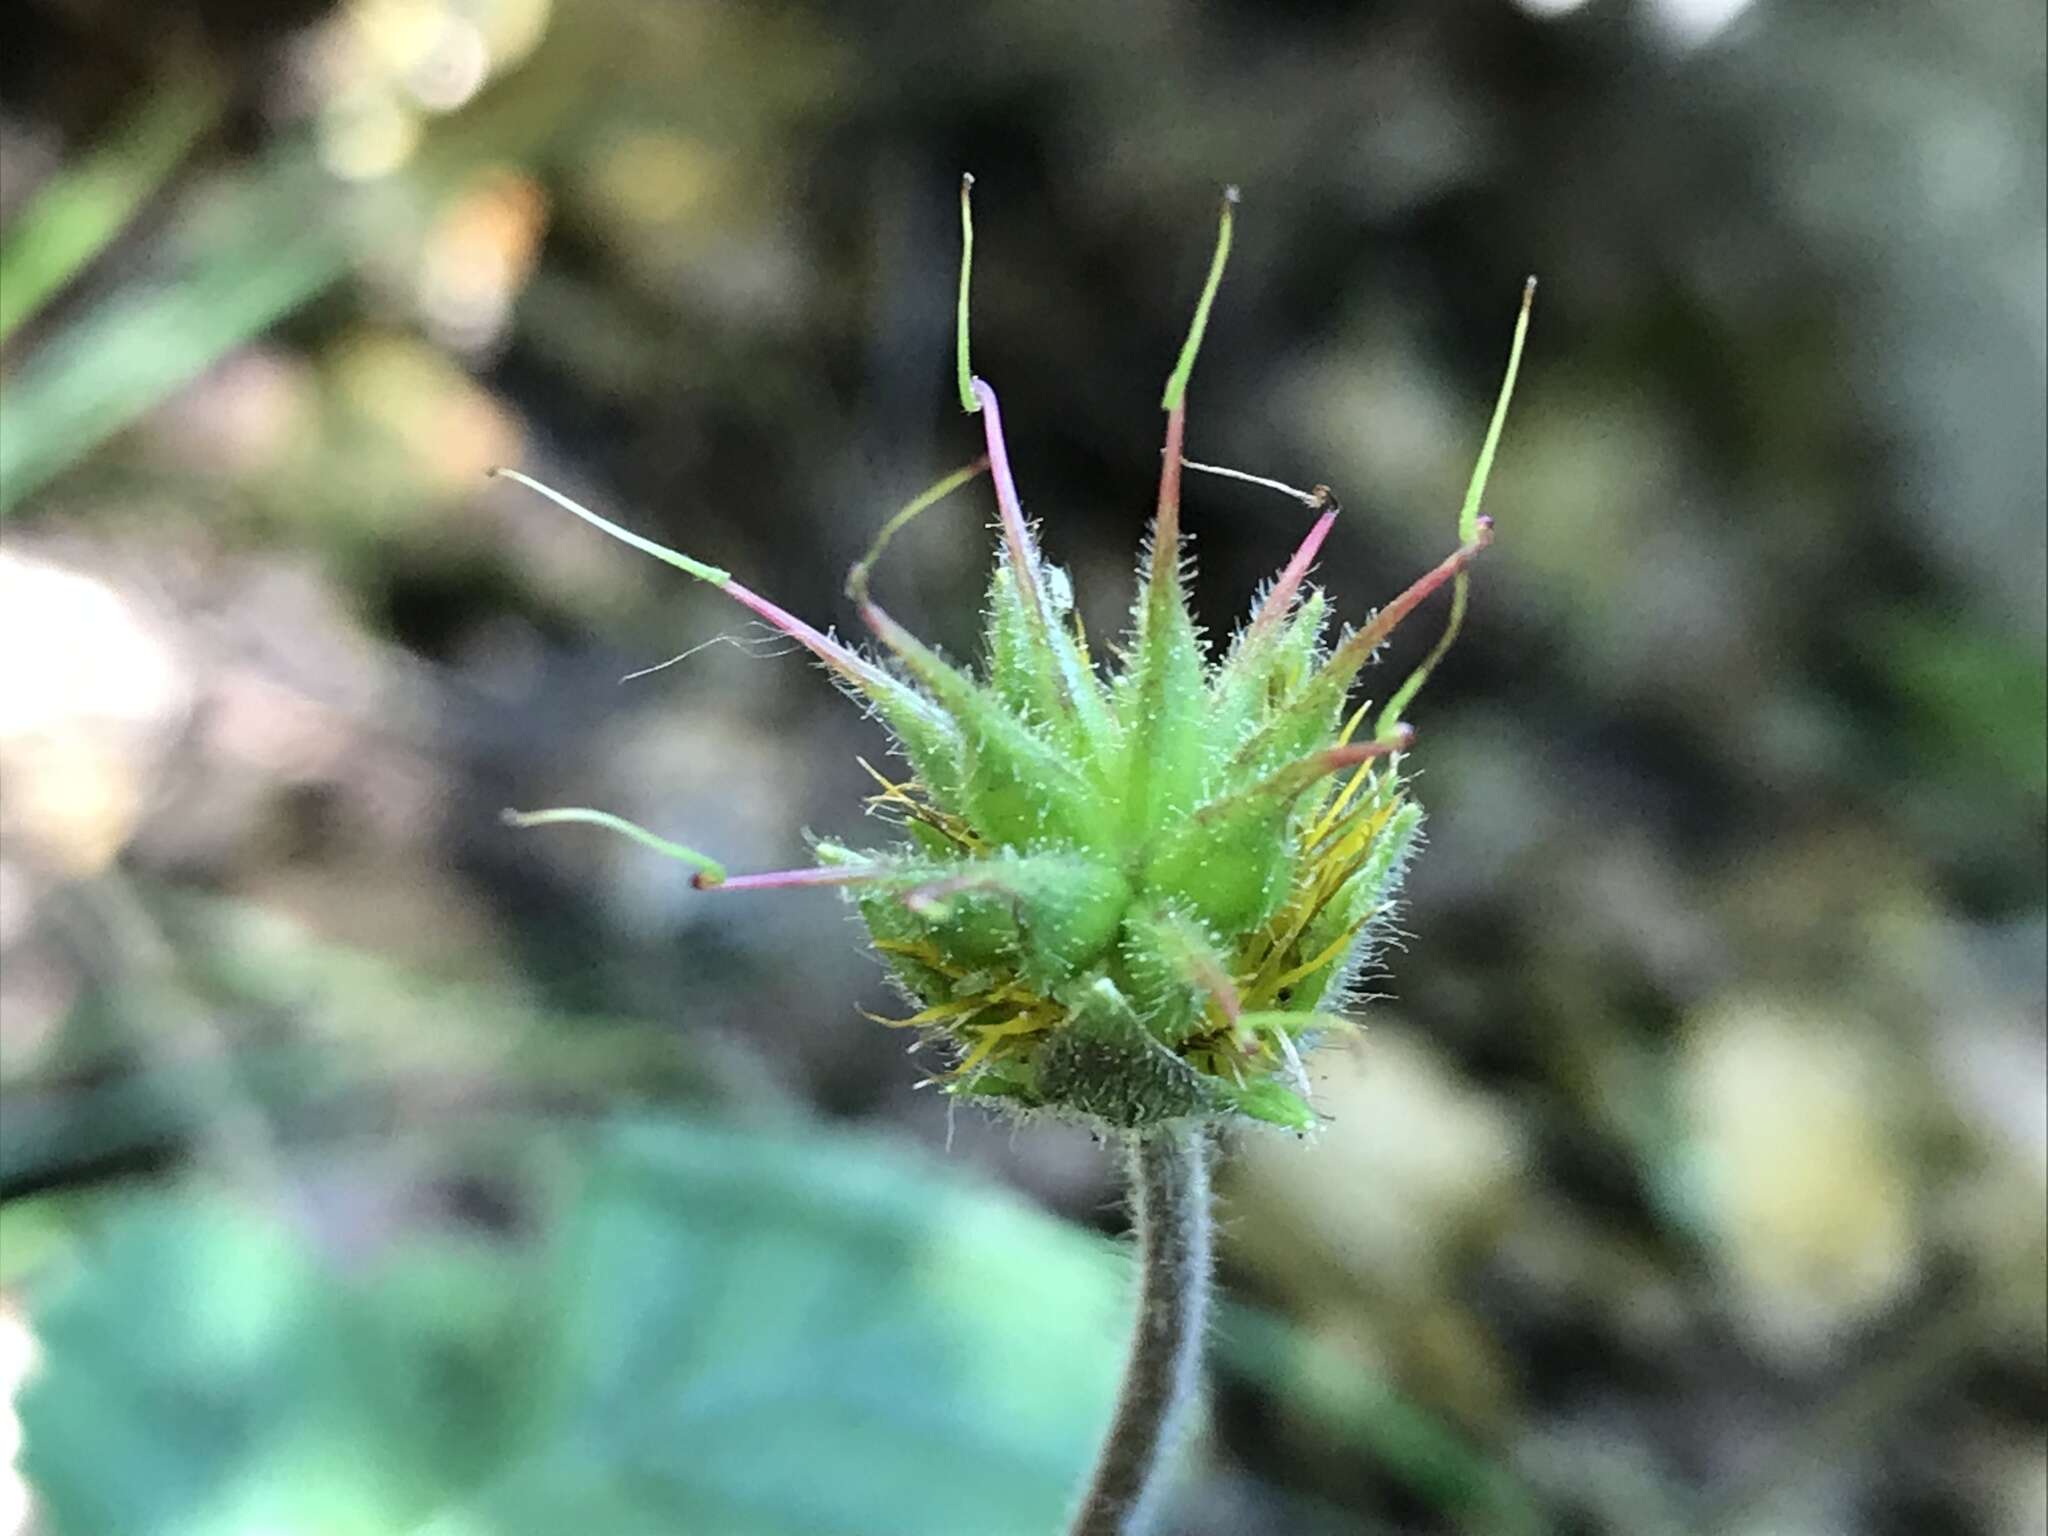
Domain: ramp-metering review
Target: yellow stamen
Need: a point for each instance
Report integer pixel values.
(1330, 952)
(992, 1035)
(1351, 726)
(961, 1008)
(923, 953)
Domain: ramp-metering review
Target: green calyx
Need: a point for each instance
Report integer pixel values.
(1132, 893)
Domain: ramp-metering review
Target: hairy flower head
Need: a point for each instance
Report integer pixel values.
(1137, 888)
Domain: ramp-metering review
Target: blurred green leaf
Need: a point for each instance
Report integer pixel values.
(723, 1333)
(1980, 696)
(251, 261)
(1369, 1415)
(258, 246)
(80, 210)
(207, 1373)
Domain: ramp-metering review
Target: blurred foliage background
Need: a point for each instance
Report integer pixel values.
(371, 1168)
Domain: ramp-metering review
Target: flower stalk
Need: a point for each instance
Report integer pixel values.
(1169, 1184)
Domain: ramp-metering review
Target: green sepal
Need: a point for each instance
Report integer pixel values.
(1162, 704)
(1007, 636)
(1070, 908)
(1271, 1101)
(1172, 967)
(832, 854)
(1037, 670)
(1098, 734)
(888, 922)
(930, 840)
(1262, 671)
(1230, 861)
(1103, 1066)
(1306, 717)
(1230, 870)
(1007, 1085)
(1017, 789)
(1048, 917)
(923, 733)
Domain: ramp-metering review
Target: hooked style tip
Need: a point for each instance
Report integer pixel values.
(1177, 381)
(583, 815)
(857, 576)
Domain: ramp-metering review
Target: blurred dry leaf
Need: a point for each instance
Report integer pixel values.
(1807, 1185)
(92, 691)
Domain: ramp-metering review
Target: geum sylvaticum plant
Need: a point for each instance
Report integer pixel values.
(1135, 892)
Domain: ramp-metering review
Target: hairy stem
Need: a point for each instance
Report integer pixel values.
(1169, 1173)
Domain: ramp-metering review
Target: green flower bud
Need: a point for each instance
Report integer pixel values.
(1131, 892)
